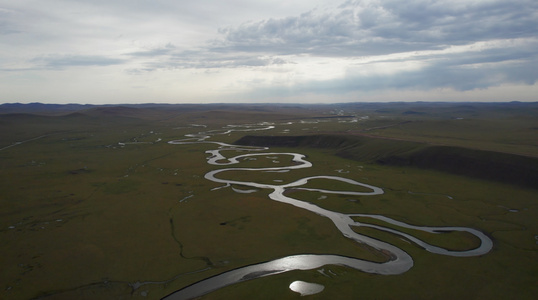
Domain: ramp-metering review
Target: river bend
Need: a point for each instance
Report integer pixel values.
(398, 263)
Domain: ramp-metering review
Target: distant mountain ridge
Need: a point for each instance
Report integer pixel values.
(36, 107)
(43, 108)
(403, 108)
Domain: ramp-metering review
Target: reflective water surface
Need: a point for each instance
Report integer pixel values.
(306, 288)
(398, 263)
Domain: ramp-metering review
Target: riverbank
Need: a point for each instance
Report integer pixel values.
(496, 166)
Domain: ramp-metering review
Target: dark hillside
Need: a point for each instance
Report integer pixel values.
(489, 165)
(116, 111)
(510, 168)
(356, 147)
(41, 108)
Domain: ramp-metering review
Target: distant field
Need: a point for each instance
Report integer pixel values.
(95, 204)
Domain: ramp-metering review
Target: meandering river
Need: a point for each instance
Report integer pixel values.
(398, 263)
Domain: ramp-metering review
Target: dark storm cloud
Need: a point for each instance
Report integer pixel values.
(488, 33)
(381, 29)
(288, 47)
(373, 28)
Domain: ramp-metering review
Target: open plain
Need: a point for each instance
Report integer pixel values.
(99, 202)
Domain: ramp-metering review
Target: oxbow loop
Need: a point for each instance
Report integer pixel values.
(398, 260)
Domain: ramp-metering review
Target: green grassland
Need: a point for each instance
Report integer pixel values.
(95, 204)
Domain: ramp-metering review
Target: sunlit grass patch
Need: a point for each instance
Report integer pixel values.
(79, 200)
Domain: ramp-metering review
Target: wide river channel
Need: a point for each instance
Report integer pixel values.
(398, 263)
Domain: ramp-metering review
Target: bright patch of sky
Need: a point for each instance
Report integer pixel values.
(167, 51)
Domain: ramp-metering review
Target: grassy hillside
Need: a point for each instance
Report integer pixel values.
(95, 204)
(504, 167)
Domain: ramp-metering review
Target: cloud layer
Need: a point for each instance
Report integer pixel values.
(358, 28)
(267, 51)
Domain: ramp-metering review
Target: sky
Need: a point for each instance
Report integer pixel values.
(267, 51)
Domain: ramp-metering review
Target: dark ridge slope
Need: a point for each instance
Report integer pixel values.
(488, 165)
(41, 108)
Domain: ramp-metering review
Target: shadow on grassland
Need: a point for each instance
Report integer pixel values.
(488, 165)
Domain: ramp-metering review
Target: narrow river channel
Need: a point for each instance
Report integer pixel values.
(398, 263)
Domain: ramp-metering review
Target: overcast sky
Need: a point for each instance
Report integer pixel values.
(204, 51)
